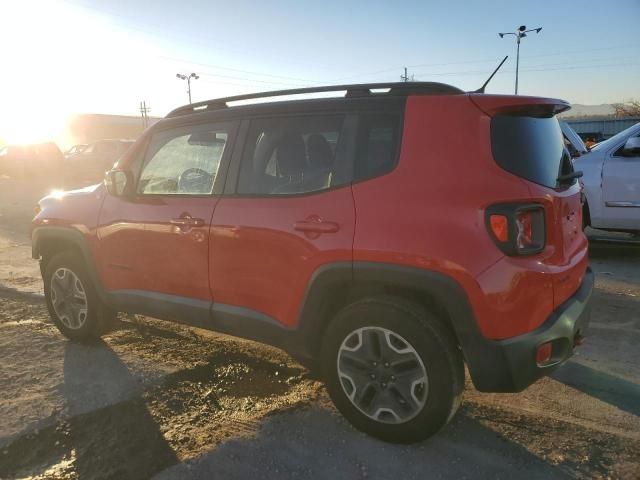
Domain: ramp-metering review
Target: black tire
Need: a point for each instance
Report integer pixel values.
(431, 341)
(98, 319)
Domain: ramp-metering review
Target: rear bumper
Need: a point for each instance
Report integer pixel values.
(510, 365)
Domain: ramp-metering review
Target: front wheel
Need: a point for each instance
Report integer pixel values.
(392, 369)
(72, 300)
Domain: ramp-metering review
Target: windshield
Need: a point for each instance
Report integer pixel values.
(616, 138)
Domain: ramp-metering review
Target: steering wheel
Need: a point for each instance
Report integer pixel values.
(195, 180)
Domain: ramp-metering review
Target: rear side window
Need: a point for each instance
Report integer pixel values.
(291, 155)
(377, 150)
(531, 148)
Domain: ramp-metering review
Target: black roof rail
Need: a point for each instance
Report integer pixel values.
(395, 88)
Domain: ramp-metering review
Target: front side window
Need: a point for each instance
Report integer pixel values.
(183, 162)
(290, 155)
(621, 152)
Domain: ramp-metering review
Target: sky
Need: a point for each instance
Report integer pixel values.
(105, 56)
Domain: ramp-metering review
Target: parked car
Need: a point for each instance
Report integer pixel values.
(612, 182)
(76, 149)
(103, 152)
(90, 164)
(357, 233)
(30, 159)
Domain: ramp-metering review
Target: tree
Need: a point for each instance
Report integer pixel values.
(630, 108)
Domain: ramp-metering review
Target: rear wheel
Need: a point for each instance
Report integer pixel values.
(72, 300)
(392, 369)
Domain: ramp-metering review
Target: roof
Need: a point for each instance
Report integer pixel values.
(359, 90)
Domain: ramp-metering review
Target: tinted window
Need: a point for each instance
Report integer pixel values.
(616, 138)
(377, 151)
(290, 155)
(531, 148)
(620, 152)
(184, 162)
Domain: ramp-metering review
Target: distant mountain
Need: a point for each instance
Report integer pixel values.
(579, 110)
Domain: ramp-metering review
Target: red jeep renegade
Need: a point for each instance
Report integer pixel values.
(388, 236)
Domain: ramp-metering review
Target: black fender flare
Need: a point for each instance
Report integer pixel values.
(482, 358)
(42, 234)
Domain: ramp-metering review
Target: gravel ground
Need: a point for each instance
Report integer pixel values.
(164, 400)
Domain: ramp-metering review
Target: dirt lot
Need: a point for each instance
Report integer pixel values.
(161, 400)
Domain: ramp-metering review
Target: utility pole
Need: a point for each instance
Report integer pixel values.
(405, 77)
(144, 110)
(188, 79)
(520, 33)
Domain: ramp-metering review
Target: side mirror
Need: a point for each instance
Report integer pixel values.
(119, 183)
(632, 147)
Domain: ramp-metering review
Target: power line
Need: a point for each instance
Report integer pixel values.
(576, 67)
(208, 44)
(253, 80)
(251, 72)
(489, 60)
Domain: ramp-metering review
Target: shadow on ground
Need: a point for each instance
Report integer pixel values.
(315, 443)
(120, 442)
(108, 432)
(603, 386)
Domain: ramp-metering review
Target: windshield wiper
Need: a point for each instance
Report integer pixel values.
(569, 176)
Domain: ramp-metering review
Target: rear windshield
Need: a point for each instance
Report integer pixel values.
(529, 147)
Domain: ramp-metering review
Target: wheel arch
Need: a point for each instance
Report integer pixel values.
(46, 242)
(334, 286)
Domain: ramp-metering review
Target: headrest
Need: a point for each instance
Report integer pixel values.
(291, 154)
(319, 152)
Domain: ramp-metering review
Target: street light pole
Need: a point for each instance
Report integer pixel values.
(517, 66)
(519, 34)
(188, 79)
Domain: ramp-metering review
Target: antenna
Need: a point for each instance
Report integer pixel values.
(481, 89)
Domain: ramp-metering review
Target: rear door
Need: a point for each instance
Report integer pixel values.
(621, 188)
(290, 210)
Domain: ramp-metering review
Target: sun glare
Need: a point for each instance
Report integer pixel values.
(61, 60)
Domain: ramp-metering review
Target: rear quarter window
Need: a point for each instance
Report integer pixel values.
(377, 146)
(530, 147)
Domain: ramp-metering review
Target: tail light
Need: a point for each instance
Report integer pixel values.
(517, 229)
(543, 353)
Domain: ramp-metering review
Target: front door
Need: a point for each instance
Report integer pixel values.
(291, 212)
(158, 240)
(621, 189)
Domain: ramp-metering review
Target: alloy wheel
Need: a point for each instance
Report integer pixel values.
(382, 374)
(69, 298)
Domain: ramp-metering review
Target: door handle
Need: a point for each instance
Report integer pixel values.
(316, 225)
(187, 221)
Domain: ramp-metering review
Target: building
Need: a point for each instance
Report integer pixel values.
(600, 128)
(88, 128)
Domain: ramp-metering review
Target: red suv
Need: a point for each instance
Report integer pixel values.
(386, 237)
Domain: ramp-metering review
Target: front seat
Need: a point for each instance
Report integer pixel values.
(320, 157)
(291, 160)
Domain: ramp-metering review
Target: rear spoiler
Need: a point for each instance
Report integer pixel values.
(494, 105)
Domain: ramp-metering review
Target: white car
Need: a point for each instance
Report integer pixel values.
(612, 182)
